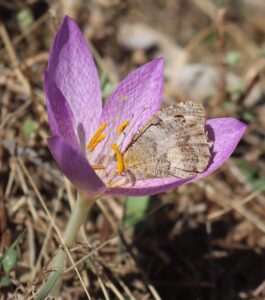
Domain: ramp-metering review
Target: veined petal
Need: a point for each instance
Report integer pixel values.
(73, 70)
(59, 112)
(225, 134)
(75, 167)
(135, 99)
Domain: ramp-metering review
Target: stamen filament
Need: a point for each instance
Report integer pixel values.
(118, 183)
(96, 136)
(98, 167)
(119, 157)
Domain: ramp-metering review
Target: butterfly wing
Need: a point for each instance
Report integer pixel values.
(172, 144)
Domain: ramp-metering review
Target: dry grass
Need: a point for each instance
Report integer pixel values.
(202, 241)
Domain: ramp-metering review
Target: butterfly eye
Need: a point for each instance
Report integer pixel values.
(179, 118)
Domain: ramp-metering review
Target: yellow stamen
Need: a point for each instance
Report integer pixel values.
(98, 167)
(97, 141)
(119, 157)
(122, 126)
(96, 136)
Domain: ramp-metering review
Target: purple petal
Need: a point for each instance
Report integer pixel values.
(59, 113)
(75, 167)
(73, 70)
(135, 99)
(224, 132)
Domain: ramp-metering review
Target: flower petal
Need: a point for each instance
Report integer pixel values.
(225, 134)
(138, 95)
(59, 112)
(73, 70)
(75, 167)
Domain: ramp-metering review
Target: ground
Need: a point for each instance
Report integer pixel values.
(201, 241)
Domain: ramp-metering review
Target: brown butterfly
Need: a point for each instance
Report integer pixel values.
(173, 143)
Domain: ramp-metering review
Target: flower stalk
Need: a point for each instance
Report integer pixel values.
(77, 219)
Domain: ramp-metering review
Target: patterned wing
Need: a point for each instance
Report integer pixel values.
(172, 144)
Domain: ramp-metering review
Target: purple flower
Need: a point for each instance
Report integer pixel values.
(75, 114)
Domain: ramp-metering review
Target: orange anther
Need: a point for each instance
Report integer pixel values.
(97, 141)
(97, 137)
(122, 126)
(119, 157)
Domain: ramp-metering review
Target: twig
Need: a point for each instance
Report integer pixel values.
(125, 288)
(198, 38)
(238, 34)
(216, 215)
(41, 57)
(240, 209)
(112, 239)
(102, 286)
(221, 30)
(122, 284)
(29, 30)
(111, 286)
(14, 114)
(248, 215)
(11, 85)
(207, 7)
(13, 59)
(150, 287)
(23, 167)
(47, 237)
(91, 253)
(254, 80)
(259, 289)
(31, 244)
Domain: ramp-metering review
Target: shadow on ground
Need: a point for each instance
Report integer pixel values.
(193, 264)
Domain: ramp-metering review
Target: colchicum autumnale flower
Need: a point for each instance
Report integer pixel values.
(88, 140)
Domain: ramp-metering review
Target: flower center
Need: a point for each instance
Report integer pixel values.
(105, 168)
(113, 175)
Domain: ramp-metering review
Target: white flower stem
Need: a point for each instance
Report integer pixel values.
(77, 218)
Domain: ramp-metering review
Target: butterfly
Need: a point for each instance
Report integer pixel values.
(173, 143)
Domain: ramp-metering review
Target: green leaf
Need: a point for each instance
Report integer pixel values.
(261, 53)
(248, 116)
(103, 79)
(236, 88)
(9, 261)
(233, 57)
(227, 105)
(106, 86)
(5, 281)
(253, 174)
(211, 38)
(136, 208)
(47, 287)
(29, 127)
(25, 18)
